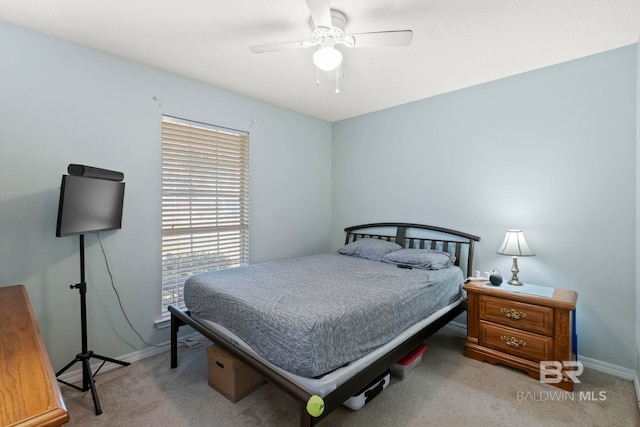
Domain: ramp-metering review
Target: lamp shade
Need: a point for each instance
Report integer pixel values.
(327, 58)
(515, 244)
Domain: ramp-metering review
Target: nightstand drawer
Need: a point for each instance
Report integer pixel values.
(518, 343)
(519, 315)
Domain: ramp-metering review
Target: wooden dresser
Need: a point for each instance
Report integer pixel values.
(521, 330)
(29, 392)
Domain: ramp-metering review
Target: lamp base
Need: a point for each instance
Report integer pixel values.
(514, 273)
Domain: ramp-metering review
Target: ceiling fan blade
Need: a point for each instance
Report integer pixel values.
(320, 13)
(380, 39)
(274, 47)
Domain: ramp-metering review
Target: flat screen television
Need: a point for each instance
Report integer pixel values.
(89, 205)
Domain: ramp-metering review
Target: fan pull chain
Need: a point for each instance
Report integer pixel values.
(317, 76)
(338, 80)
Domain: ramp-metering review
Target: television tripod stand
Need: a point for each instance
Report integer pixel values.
(86, 355)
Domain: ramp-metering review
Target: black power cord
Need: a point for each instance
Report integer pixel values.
(191, 343)
(106, 262)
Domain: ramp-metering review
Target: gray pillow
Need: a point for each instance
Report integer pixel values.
(427, 259)
(369, 248)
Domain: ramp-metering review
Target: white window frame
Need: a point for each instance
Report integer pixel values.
(205, 203)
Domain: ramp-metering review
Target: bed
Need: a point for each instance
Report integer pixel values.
(272, 315)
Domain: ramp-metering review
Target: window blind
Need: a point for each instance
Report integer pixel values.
(205, 203)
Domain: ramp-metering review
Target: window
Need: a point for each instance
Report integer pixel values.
(205, 202)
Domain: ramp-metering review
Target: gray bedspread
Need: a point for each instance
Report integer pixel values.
(311, 315)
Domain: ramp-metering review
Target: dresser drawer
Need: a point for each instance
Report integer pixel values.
(518, 343)
(519, 315)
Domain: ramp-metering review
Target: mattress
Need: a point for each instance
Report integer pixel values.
(311, 315)
(325, 384)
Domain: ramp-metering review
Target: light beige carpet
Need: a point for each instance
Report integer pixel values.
(446, 389)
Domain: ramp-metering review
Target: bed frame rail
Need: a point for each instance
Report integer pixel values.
(334, 399)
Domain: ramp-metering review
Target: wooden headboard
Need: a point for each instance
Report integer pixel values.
(420, 236)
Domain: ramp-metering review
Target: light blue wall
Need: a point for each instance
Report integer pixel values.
(551, 151)
(61, 103)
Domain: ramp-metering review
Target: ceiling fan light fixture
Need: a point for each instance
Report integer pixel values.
(327, 58)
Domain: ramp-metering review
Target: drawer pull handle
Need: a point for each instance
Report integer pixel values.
(513, 314)
(513, 342)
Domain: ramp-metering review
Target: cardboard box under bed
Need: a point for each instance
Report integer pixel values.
(230, 376)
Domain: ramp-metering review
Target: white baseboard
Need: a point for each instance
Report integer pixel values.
(76, 376)
(608, 368)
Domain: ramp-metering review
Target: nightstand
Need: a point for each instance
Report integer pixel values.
(521, 330)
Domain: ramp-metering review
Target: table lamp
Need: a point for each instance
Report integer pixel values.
(515, 245)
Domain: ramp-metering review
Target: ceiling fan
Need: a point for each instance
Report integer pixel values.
(328, 31)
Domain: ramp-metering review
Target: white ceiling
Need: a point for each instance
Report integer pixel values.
(456, 43)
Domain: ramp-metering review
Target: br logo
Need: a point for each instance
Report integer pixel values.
(553, 372)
